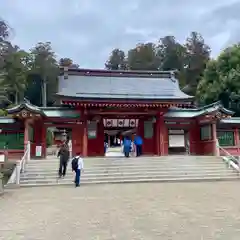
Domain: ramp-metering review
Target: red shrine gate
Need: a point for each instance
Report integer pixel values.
(90, 97)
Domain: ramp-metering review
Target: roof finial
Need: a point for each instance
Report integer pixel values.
(25, 100)
(172, 75)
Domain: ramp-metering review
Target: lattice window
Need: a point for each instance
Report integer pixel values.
(226, 138)
(206, 133)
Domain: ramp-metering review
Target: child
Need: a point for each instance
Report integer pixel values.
(77, 167)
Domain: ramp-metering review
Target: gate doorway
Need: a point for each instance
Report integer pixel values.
(114, 132)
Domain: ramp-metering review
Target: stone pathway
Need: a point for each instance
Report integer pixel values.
(176, 211)
(114, 152)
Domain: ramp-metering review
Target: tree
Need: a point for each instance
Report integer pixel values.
(171, 56)
(4, 33)
(198, 54)
(221, 79)
(68, 62)
(4, 30)
(117, 60)
(143, 57)
(13, 78)
(45, 65)
(34, 89)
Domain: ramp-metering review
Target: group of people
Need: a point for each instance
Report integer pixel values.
(132, 146)
(77, 163)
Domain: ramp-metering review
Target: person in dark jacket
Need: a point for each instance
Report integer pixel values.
(138, 143)
(64, 157)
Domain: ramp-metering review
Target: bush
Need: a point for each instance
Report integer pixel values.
(3, 112)
(6, 170)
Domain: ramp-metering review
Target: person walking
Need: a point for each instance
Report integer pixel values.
(78, 168)
(138, 143)
(64, 157)
(127, 146)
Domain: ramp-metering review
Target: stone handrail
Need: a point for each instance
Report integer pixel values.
(230, 160)
(20, 167)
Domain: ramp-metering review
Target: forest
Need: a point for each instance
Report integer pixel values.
(32, 73)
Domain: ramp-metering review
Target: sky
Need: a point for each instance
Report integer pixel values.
(88, 30)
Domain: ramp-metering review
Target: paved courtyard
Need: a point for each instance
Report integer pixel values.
(184, 211)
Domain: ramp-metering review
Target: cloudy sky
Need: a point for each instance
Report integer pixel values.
(87, 30)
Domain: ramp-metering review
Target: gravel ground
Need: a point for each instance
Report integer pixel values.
(172, 211)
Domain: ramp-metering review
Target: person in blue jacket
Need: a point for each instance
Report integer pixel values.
(138, 143)
(127, 146)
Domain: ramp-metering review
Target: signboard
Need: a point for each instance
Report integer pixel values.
(38, 151)
(92, 134)
(148, 129)
(92, 130)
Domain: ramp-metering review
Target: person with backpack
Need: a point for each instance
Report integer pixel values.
(64, 157)
(78, 168)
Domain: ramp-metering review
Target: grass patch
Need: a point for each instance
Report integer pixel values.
(6, 170)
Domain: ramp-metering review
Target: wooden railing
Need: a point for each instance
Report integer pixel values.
(20, 167)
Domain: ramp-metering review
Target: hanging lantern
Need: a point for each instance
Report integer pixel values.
(132, 123)
(120, 123)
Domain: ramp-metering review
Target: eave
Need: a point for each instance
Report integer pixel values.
(127, 104)
(209, 110)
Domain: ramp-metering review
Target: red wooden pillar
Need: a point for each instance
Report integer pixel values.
(163, 137)
(194, 139)
(215, 150)
(77, 139)
(100, 136)
(157, 136)
(236, 139)
(85, 137)
(26, 133)
(44, 139)
(236, 136)
(40, 138)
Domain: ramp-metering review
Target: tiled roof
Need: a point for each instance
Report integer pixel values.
(45, 111)
(190, 113)
(112, 87)
(25, 105)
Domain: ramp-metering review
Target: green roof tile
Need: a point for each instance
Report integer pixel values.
(55, 112)
(6, 120)
(233, 120)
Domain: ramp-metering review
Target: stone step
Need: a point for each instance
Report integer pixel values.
(146, 159)
(117, 169)
(156, 180)
(129, 173)
(133, 180)
(130, 162)
(137, 169)
(133, 163)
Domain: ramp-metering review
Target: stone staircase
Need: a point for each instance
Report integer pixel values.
(122, 170)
